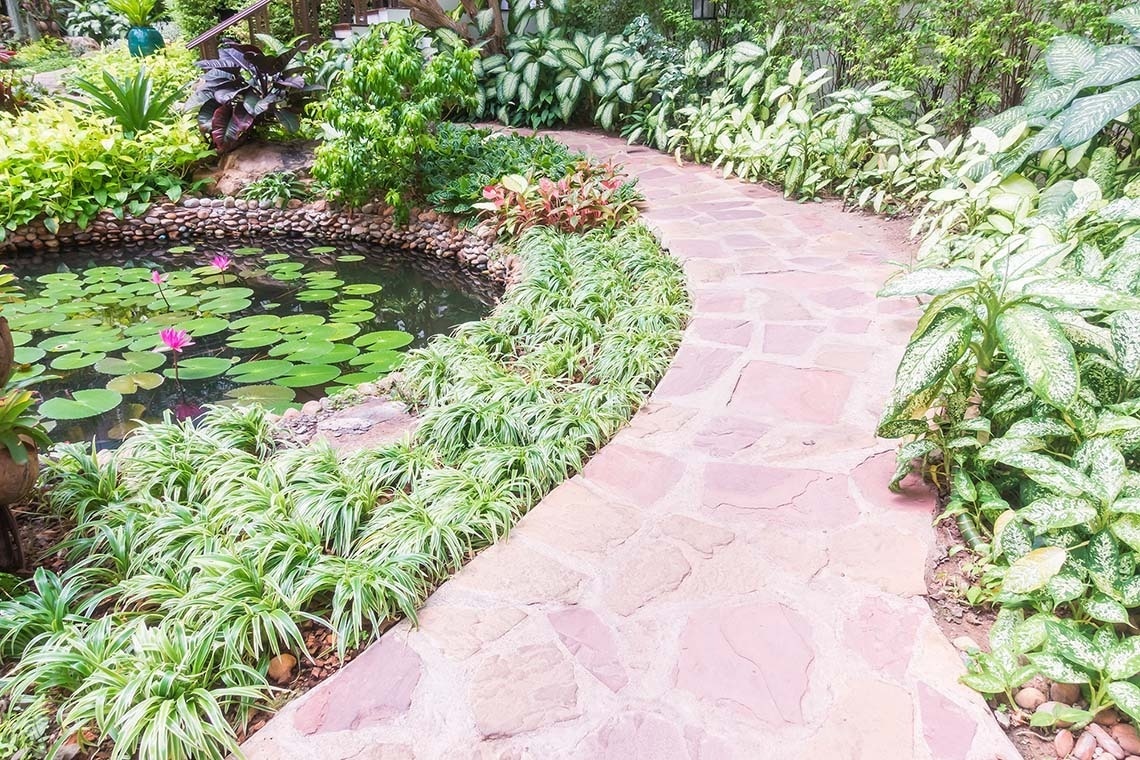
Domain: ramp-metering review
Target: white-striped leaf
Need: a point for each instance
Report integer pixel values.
(1068, 57)
(1041, 353)
(1087, 116)
(1054, 512)
(1114, 64)
(1032, 571)
(1050, 473)
(1129, 18)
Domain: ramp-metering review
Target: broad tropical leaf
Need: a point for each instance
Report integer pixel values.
(1068, 57)
(1087, 116)
(1033, 571)
(1041, 353)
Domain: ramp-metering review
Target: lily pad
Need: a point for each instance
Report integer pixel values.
(82, 404)
(350, 258)
(300, 322)
(323, 249)
(333, 332)
(356, 378)
(28, 355)
(353, 304)
(204, 326)
(352, 317)
(130, 363)
(259, 371)
(309, 375)
(384, 339)
(199, 368)
(20, 338)
(263, 394)
(360, 289)
(316, 295)
(254, 339)
(75, 360)
(128, 384)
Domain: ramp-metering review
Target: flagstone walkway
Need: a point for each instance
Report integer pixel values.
(730, 577)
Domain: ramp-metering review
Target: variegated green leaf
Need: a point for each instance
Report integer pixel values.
(1130, 591)
(1103, 561)
(1114, 64)
(926, 362)
(1065, 587)
(1074, 647)
(1127, 529)
(1102, 608)
(1079, 293)
(1038, 427)
(1056, 669)
(1032, 571)
(999, 448)
(1041, 353)
(984, 682)
(1124, 327)
(1068, 57)
(1102, 461)
(1030, 634)
(1086, 117)
(1124, 659)
(1059, 512)
(1003, 646)
(1083, 335)
(1050, 473)
(929, 281)
(1128, 505)
(1126, 695)
(1011, 539)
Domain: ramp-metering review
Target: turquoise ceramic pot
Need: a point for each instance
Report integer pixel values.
(144, 40)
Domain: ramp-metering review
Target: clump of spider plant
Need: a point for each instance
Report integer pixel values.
(202, 550)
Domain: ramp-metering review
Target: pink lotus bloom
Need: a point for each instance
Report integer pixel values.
(221, 262)
(174, 340)
(157, 277)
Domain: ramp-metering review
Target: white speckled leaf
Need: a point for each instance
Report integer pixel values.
(931, 281)
(1124, 659)
(1054, 512)
(1124, 327)
(1127, 697)
(1074, 647)
(1041, 353)
(1032, 571)
(1102, 608)
(1079, 293)
(926, 361)
(1050, 473)
(1127, 529)
(1056, 669)
(1101, 459)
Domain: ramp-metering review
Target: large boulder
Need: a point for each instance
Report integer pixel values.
(254, 160)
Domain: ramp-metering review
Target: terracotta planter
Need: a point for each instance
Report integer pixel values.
(16, 480)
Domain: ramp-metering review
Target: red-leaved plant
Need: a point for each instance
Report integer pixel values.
(592, 195)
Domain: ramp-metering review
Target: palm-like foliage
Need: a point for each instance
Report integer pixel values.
(132, 103)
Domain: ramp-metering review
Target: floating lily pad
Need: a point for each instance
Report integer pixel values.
(309, 375)
(360, 289)
(316, 295)
(353, 304)
(83, 404)
(20, 338)
(300, 322)
(128, 384)
(275, 257)
(254, 339)
(333, 331)
(304, 351)
(384, 339)
(75, 360)
(28, 355)
(260, 371)
(199, 368)
(340, 352)
(350, 258)
(323, 249)
(272, 394)
(256, 322)
(204, 326)
(353, 317)
(130, 363)
(182, 249)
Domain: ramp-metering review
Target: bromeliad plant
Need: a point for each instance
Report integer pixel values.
(246, 87)
(132, 103)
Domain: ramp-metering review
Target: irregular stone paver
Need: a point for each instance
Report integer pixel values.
(730, 578)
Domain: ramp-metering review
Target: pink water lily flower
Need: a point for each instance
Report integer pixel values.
(221, 262)
(157, 277)
(174, 340)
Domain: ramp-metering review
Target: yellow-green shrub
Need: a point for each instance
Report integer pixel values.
(170, 67)
(64, 165)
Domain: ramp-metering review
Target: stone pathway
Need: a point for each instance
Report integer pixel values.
(730, 577)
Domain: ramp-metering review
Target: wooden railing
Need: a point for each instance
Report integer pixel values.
(256, 16)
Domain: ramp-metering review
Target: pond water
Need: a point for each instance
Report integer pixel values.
(130, 334)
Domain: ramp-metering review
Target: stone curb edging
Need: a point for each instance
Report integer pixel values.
(729, 577)
(193, 219)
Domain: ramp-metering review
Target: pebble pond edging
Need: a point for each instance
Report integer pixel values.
(190, 219)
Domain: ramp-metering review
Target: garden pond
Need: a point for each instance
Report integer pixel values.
(110, 337)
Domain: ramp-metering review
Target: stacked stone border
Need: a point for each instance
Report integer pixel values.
(194, 219)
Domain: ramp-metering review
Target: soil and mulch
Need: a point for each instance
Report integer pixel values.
(948, 575)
